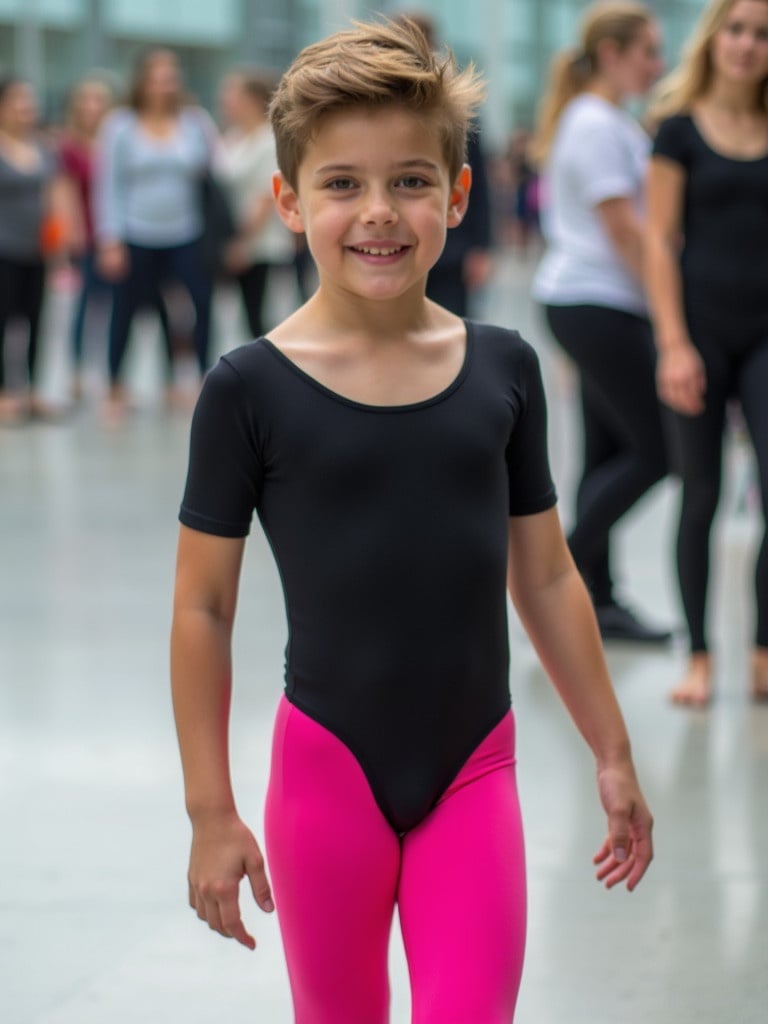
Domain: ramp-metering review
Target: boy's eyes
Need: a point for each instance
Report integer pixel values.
(410, 182)
(340, 184)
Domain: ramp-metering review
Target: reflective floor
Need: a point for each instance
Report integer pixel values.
(94, 926)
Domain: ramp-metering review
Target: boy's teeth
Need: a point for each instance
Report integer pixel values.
(369, 251)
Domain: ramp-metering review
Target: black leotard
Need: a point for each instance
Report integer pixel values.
(389, 527)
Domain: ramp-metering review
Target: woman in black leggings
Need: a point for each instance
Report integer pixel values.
(708, 183)
(589, 281)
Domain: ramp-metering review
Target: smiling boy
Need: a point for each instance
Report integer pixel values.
(396, 458)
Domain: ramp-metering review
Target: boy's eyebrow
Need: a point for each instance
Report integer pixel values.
(416, 162)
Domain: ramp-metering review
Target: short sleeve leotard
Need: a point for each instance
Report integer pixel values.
(389, 525)
(724, 263)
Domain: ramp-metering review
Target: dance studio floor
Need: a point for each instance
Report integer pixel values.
(94, 926)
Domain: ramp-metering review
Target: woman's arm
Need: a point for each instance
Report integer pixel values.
(622, 224)
(553, 605)
(223, 850)
(680, 372)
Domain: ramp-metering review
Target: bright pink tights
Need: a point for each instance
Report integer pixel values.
(338, 871)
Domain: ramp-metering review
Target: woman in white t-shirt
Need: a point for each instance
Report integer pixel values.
(245, 164)
(594, 157)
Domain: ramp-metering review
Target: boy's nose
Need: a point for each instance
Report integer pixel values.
(379, 208)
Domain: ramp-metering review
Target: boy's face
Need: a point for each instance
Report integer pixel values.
(375, 199)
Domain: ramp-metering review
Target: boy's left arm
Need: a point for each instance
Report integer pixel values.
(555, 608)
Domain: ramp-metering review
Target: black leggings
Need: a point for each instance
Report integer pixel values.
(624, 450)
(149, 270)
(735, 353)
(22, 290)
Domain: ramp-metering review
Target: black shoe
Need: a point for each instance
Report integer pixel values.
(619, 623)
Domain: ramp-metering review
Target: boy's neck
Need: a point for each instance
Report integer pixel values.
(377, 320)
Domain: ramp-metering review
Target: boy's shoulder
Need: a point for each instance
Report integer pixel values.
(503, 341)
(245, 360)
(505, 356)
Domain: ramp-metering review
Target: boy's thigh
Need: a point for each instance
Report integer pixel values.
(462, 903)
(334, 864)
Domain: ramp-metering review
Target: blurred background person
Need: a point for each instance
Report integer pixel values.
(708, 284)
(34, 213)
(525, 182)
(245, 162)
(88, 103)
(594, 157)
(153, 160)
(466, 263)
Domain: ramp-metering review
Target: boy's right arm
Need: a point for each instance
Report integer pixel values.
(223, 849)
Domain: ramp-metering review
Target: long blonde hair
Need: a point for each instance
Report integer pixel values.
(678, 90)
(618, 21)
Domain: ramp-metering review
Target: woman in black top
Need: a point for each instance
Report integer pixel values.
(708, 184)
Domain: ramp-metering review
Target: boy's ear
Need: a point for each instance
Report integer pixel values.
(287, 203)
(457, 205)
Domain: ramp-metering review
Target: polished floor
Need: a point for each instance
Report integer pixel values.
(94, 926)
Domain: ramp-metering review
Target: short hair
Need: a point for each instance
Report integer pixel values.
(374, 64)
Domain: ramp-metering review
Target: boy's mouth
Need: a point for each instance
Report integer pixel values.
(379, 250)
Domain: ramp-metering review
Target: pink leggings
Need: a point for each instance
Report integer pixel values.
(338, 870)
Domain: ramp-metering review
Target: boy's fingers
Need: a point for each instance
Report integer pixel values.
(618, 831)
(212, 914)
(602, 853)
(259, 884)
(233, 926)
(643, 855)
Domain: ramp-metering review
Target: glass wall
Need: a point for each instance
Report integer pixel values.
(52, 42)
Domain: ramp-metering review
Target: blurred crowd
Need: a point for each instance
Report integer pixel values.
(143, 195)
(652, 279)
(148, 201)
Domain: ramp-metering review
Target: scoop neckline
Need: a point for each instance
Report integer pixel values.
(336, 396)
(718, 152)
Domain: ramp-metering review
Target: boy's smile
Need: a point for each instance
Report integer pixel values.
(375, 200)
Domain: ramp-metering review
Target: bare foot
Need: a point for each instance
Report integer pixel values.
(179, 400)
(41, 409)
(760, 674)
(114, 411)
(695, 688)
(116, 406)
(12, 409)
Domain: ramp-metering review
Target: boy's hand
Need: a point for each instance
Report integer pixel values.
(223, 852)
(628, 850)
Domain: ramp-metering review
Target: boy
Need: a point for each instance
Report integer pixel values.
(396, 456)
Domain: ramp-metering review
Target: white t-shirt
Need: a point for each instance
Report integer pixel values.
(599, 152)
(245, 165)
